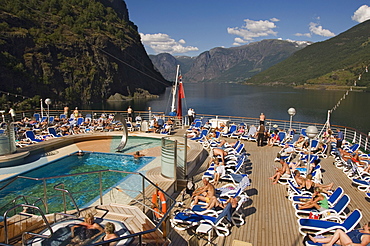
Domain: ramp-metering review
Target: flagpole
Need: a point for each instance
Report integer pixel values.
(174, 90)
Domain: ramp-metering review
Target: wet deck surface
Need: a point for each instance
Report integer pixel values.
(269, 215)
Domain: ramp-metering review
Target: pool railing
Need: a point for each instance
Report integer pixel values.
(140, 200)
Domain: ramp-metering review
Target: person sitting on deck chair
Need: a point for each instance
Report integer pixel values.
(280, 171)
(204, 193)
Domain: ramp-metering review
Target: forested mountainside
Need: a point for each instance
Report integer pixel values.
(339, 61)
(228, 64)
(73, 51)
(166, 64)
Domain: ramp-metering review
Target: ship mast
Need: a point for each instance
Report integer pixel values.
(174, 89)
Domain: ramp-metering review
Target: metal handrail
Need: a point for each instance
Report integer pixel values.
(31, 233)
(65, 191)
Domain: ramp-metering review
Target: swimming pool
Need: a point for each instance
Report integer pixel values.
(84, 187)
(135, 144)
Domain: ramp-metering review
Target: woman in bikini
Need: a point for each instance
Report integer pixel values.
(318, 201)
(355, 237)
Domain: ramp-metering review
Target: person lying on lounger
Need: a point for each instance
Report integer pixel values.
(355, 237)
(318, 201)
(217, 205)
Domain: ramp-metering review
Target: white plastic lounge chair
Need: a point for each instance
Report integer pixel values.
(236, 217)
(30, 135)
(219, 225)
(230, 190)
(187, 219)
(294, 191)
(231, 130)
(362, 185)
(322, 226)
(52, 132)
(202, 134)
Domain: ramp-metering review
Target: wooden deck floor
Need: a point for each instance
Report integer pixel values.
(270, 218)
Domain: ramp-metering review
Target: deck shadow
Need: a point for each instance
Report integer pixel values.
(252, 192)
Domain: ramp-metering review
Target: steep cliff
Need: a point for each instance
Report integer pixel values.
(73, 51)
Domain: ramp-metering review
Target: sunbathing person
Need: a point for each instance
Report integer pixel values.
(204, 193)
(89, 230)
(220, 171)
(298, 178)
(355, 237)
(217, 205)
(273, 138)
(219, 152)
(310, 186)
(280, 171)
(318, 201)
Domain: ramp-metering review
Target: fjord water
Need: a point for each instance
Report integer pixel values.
(249, 101)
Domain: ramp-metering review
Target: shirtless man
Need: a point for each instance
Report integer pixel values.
(221, 152)
(262, 119)
(204, 193)
(280, 171)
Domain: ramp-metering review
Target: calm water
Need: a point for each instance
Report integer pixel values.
(250, 101)
(72, 165)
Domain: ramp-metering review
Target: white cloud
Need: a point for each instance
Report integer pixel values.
(318, 30)
(162, 43)
(253, 29)
(361, 14)
(303, 35)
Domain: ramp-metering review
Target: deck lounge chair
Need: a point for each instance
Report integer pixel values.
(294, 191)
(362, 184)
(52, 132)
(334, 213)
(322, 226)
(202, 134)
(231, 130)
(332, 199)
(187, 219)
(51, 120)
(30, 135)
(238, 187)
(236, 216)
(282, 138)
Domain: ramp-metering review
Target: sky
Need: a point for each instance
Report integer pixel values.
(190, 27)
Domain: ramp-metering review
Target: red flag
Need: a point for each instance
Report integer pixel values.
(181, 95)
(181, 91)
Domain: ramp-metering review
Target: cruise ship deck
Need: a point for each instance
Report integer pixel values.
(269, 215)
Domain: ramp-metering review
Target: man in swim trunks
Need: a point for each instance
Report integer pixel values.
(204, 193)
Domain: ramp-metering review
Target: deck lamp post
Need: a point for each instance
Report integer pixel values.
(291, 112)
(311, 132)
(48, 102)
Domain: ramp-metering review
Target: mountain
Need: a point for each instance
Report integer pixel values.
(166, 64)
(74, 52)
(336, 61)
(228, 64)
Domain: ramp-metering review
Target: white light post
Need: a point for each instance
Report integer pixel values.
(311, 132)
(48, 102)
(291, 112)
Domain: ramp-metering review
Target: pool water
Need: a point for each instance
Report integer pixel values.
(84, 187)
(135, 144)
